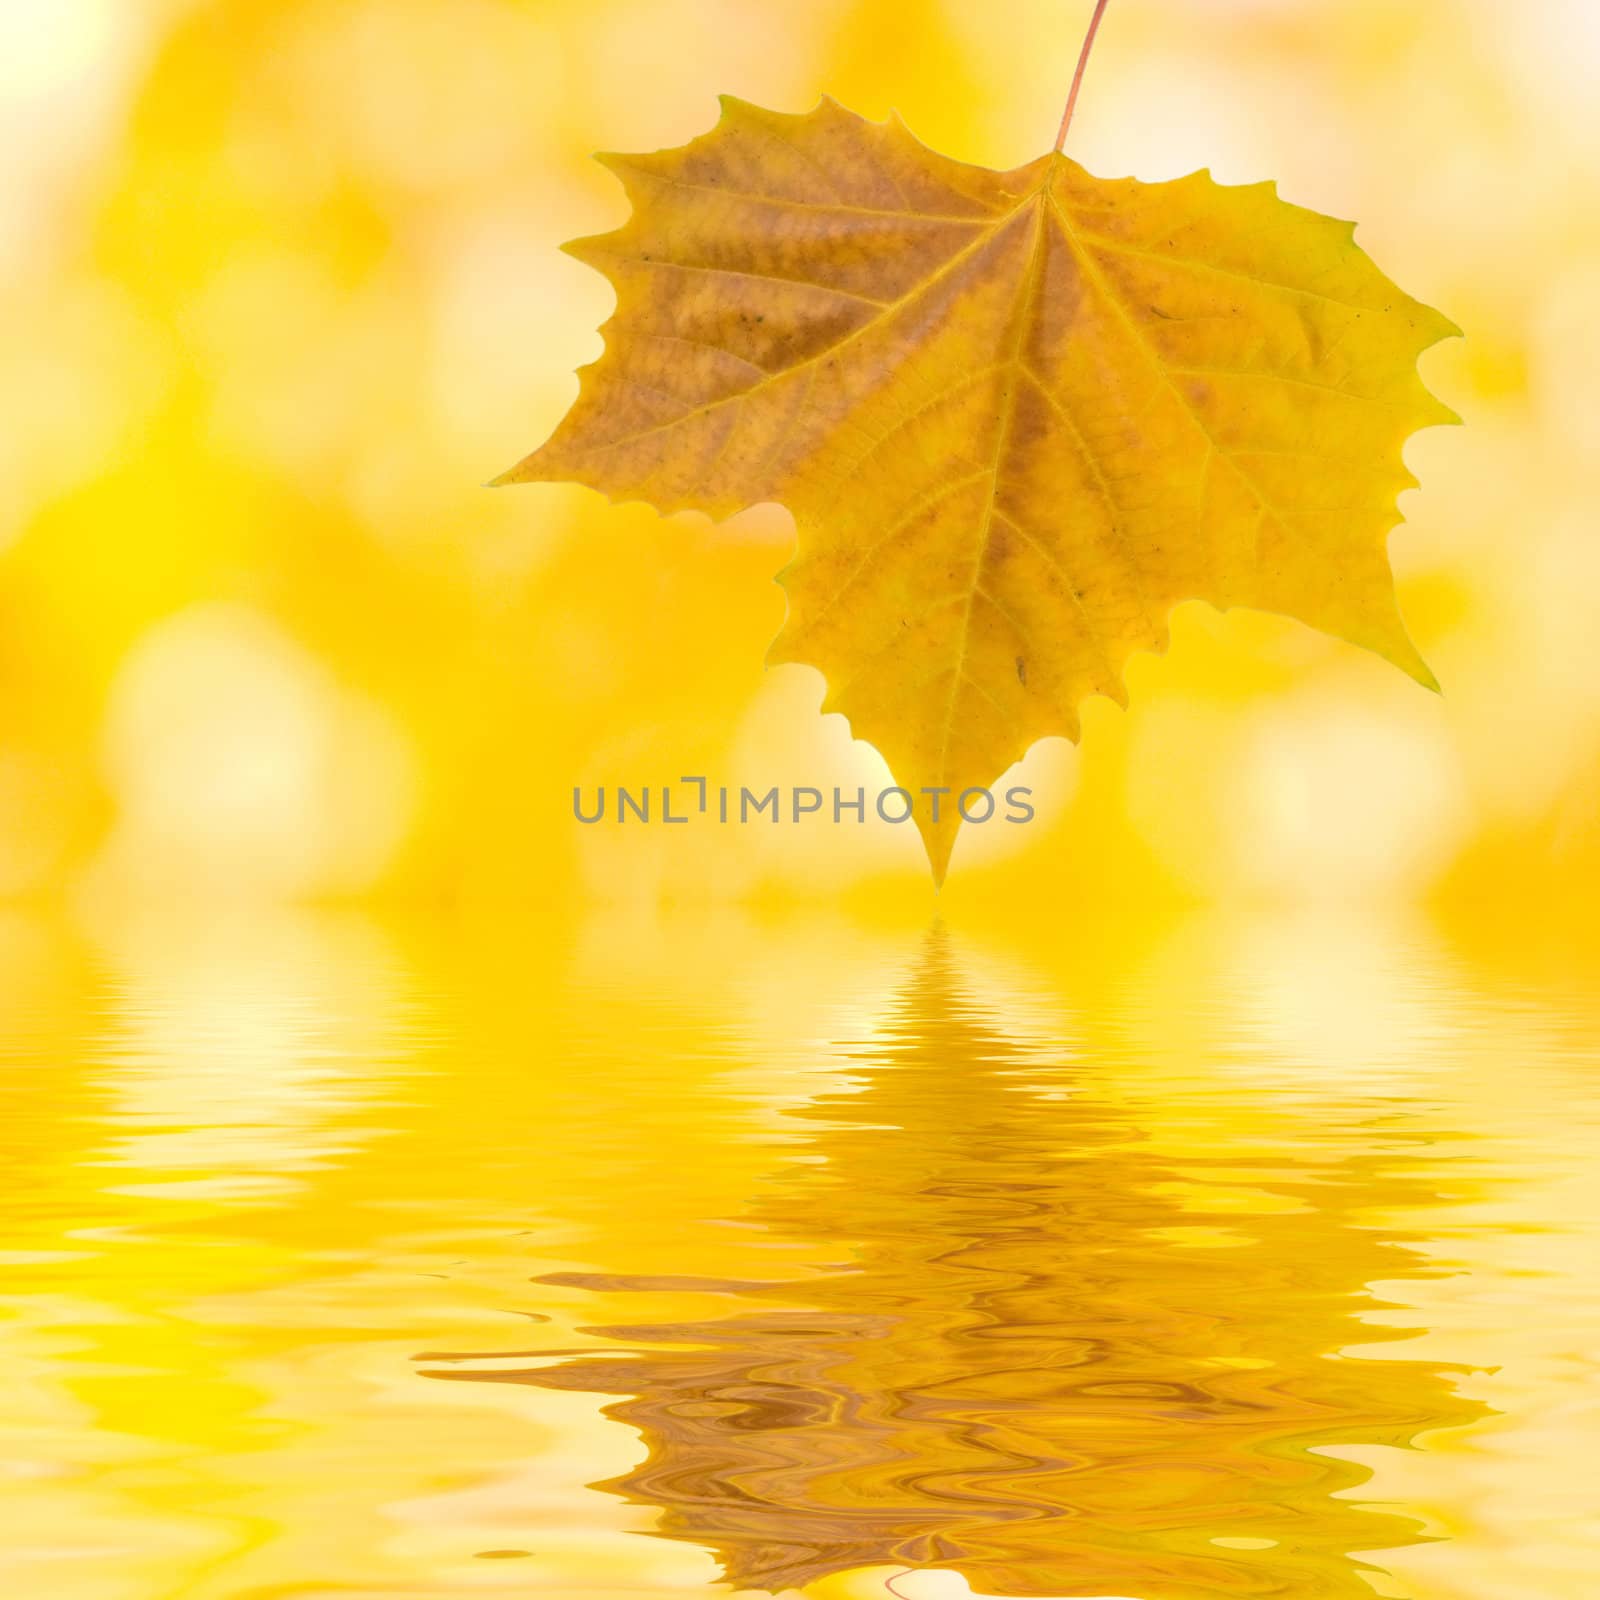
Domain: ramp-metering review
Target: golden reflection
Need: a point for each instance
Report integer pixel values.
(1047, 1357)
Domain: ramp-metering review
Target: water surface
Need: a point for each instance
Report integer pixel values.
(1233, 1258)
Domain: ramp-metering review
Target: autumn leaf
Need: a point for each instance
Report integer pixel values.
(1017, 416)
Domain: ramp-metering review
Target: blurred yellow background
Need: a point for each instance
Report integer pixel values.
(282, 291)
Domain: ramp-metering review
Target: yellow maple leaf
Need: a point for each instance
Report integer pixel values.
(1017, 416)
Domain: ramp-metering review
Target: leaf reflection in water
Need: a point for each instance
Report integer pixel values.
(1051, 1363)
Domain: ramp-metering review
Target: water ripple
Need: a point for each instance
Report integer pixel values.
(1056, 1359)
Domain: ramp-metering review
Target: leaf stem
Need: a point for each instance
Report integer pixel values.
(1077, 77)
